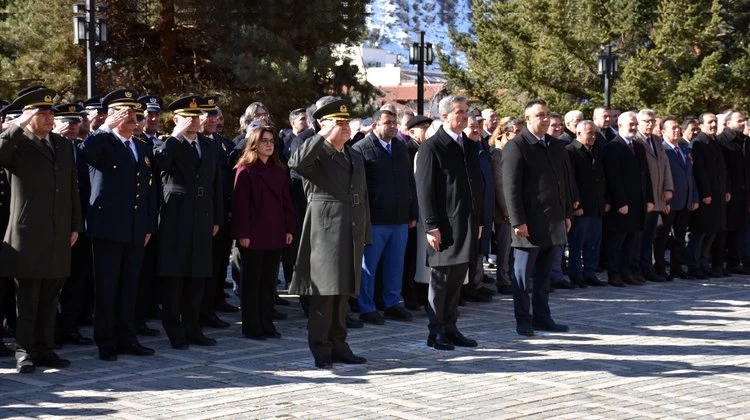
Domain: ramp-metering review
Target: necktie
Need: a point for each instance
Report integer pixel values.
(196, 155)
(388, 149)
(543, 142)
(679, 154)
(651, 143)
(632, 149)
(49, 146)
(127, 144)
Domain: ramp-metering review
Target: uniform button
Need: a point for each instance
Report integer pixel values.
(354, 224)
(114, 166)
(137, 196)
(136, 206)
(137, 173)
(138, 184)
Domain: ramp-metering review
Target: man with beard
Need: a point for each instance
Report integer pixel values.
(711, 178)
(630, 199)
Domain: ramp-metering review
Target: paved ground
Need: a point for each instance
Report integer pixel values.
(671, 350)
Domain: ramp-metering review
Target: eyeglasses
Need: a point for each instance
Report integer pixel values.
(651, 121)
(267, 141)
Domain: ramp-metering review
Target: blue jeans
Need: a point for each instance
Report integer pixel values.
(584, 241)
(388, 244)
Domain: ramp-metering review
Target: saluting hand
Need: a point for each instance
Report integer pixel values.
(25, 117)
(181, 128)
(59, 129)
(114, 119)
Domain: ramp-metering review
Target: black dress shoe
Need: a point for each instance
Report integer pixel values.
(486, 291)
(349, 359)
(52, 360)
(714, 273)
(551, 326)
(279, 316)
(440, 342)
(107, 354)
(473, 295)
(228, 284)
(272, 334)
(136, 349)
(460, 340)
(278, 300)
(202, 340)
(214, 321)
(398, 313)
(525, 330)
(372, 318)
(226, 307)
(562, 284)
(25, 365)
(504, 289)
(323, 363)
(145, 330)
(76, 338)
(255, 336)
(654, 277)
(675, 274)
(593, 281)
(699, 275)
(352, 322)
(180, 346)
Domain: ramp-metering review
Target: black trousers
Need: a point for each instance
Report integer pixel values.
(36, 305)
(181, 305)
(149, 284)
(259, 268)
(117, 270)
(532, 266)
(213, 293)
(73, 294)
(326, 326)
(676, 223)
(7, 301)
(408, 286)
(443, 296)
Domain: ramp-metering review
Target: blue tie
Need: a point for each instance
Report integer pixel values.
(543, 141)
(388, 148)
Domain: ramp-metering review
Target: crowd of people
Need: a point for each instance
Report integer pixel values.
(111, 223)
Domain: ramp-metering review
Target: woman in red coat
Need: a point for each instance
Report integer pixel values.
(262, 224)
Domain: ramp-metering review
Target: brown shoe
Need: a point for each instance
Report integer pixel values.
(615, 281)
(630, 280)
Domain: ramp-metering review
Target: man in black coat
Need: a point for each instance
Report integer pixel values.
(630, 198)
(213, 294)
(712, 180)
(540, 206)
(585, 236)
(449, 188)
(120, 220)
(393, 209)
(191, 213)
(733, 143)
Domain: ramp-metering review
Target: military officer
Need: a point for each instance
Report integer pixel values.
(335, 230)
(191, 213)
(120, 220)
(213, 294)
(44, 223)
(96, 112)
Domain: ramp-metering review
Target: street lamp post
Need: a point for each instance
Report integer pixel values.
(607, 68)
(89, 30)
(420, 54)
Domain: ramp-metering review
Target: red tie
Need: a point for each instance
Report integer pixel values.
(632, 149)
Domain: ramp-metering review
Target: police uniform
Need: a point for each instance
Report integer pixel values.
(192, 204)
(122, 213)
(74, 291)
(213, 294)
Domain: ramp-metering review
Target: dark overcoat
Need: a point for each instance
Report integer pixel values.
(737, 160)
(192, 203)
(122, 204)
(337, 219)
(710, 171)
(628, 184)
(449, 191)
(45, 207)
(588, 171)
(536, 185)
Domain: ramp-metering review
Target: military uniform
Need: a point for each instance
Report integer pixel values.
(192, 204)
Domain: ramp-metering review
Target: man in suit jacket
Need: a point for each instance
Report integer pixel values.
(449, 188)
(712, 180)
(334, 233)
(540, 207)
(191, 213)
(120, 220)
(44, 222)
(603, 119)
(733, 144)
(661, 185)
(630, 197)
(393, 209)
(586, 231)
(80, 283)
(676, 213)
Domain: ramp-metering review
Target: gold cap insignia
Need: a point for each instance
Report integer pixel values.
(48, 98)
(128, 94)
(72, 109)
(138, 105)
(153, 100)
(211, 101)
(343, 109)
(193, 104)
